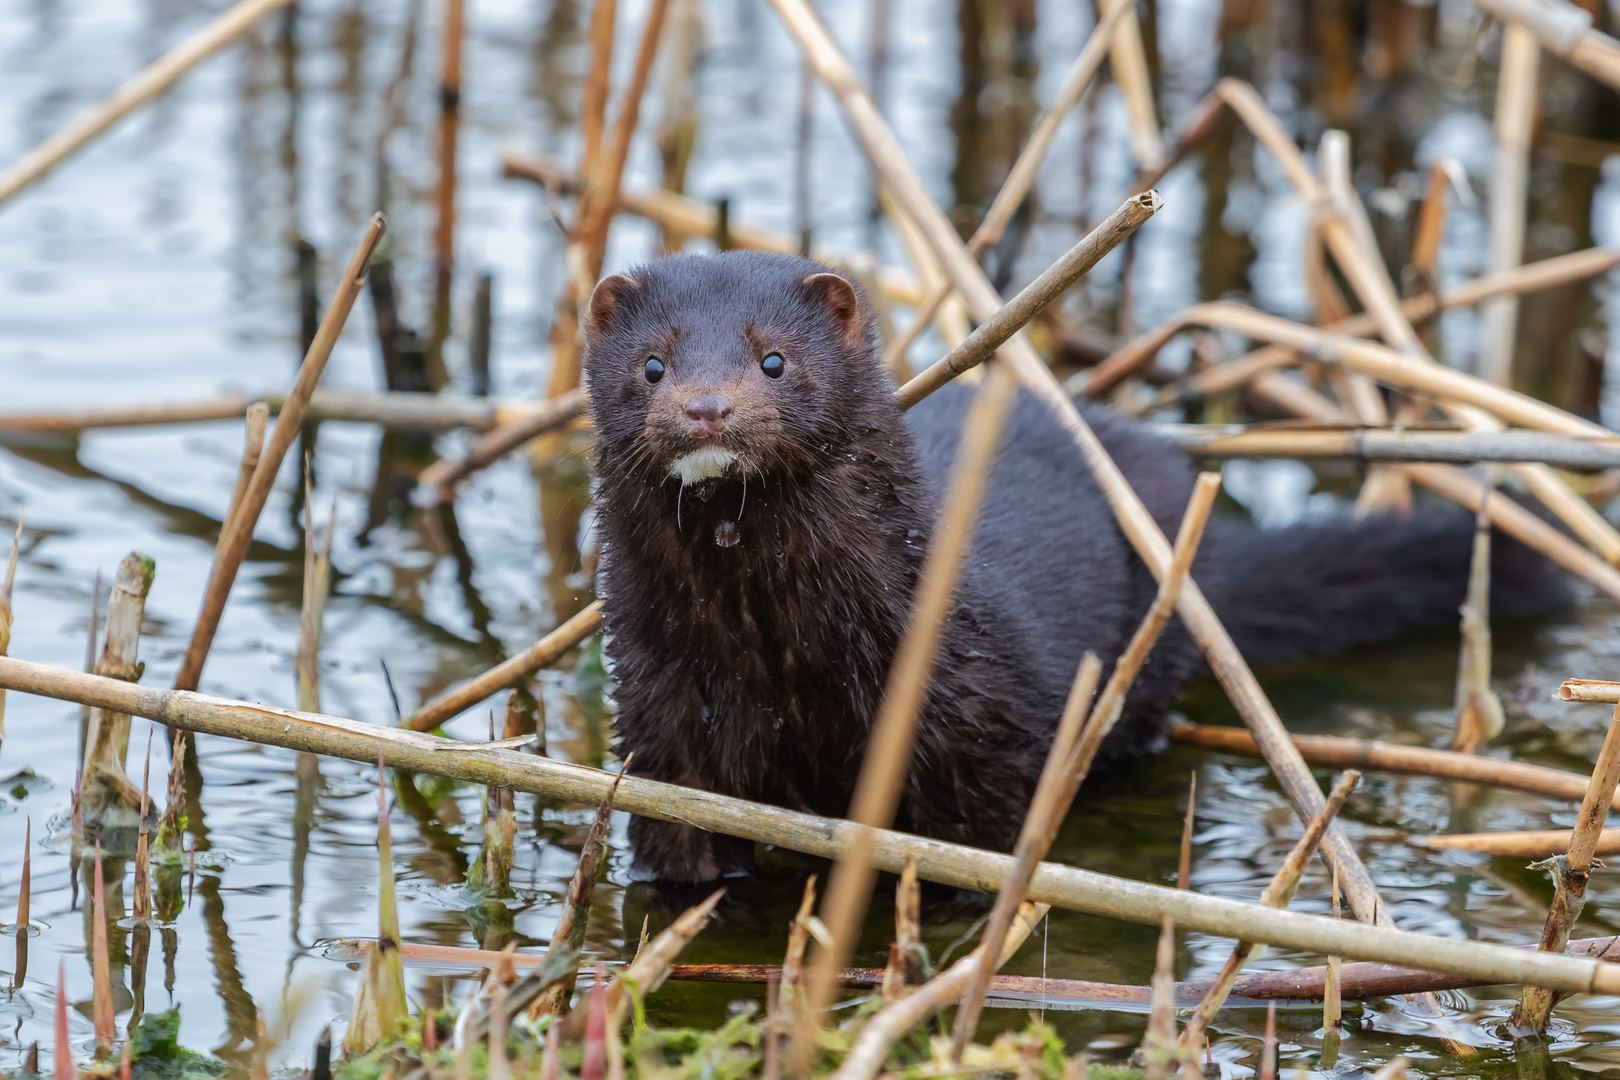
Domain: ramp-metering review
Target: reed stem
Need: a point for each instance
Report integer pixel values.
(238, 532)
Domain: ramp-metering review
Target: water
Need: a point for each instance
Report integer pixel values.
(159, 265)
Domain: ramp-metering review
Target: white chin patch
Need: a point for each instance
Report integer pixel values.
(709, 463)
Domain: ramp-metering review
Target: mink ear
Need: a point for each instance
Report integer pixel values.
(839, 297)
(610, 293)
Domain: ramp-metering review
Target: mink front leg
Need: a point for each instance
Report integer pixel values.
(662, 736)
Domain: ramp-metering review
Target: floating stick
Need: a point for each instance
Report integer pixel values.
(1296, 439)
(1566, 30)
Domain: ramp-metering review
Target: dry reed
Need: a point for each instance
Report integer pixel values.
(1570, 873)
(238, 531)
(887, 757)
(510, 672)
(1279, 891)
(949, 864)
(1133, 518)
(1518, 76)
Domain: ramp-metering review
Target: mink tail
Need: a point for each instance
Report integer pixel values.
(1323, 586)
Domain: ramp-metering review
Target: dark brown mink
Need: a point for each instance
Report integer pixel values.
(764, 508)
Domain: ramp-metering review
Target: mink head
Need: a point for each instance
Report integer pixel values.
(727, 366)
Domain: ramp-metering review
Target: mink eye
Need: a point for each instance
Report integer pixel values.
(772, 366)
(653, 371)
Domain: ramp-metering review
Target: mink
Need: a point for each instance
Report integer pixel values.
(764, 508)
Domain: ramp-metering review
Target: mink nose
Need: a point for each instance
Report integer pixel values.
(706, 415)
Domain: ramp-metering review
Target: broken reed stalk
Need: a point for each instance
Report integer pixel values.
(647, 972)
(1479, 710)
(7, 591)
(238, 531)
(1133, 518)
(1278, 893)
(101, 1002)
(1047, 809)
(441, 477)
(1161, 1058)
(1304, 439)
(1052, 283)
(1533, 277)
(395, 409)
(1370, 280)
(1565, 29)
(1530, 844)
(601, 199)
(1517, 86)
(896, 1020)
(948, 864)
(1336, 751)
(1071, 758)
(379, 1001)
(1590, 690)
(258, 417)
(1022, 175)
(1392, 368)
(568, 934)
(317, 584)
(1405, 372)
(142, 906)
(444, 237)
(542, 653)
(887, 758)
(151, 83)
(592, 123)
(107, 739)
(25, 884)
(683, 217)
(1570, 873)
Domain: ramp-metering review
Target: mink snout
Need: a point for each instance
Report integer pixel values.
(706, 415)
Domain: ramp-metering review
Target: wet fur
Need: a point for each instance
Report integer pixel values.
(755, 669)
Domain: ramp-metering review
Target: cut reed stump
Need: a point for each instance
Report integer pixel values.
(950, 864)
(107, 793)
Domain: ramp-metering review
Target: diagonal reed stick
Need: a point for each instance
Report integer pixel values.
(238, 532)
(1071, 759)
(1570, 873)
(1047, 809)
(1278, 892)
(950, 864)
(1339, 752)
(887, 757)
(1133, 518)
(1022, 175)
(542, 653)
(153, 82)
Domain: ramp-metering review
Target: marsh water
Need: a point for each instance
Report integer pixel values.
(161, 264)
